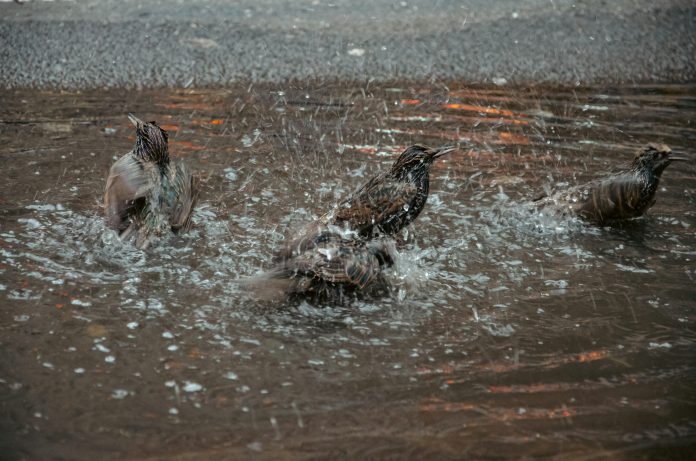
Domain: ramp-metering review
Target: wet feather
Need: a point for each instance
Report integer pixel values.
(146, 194)
(621, 196)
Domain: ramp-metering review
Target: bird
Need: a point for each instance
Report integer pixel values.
(331, 265)
(148, 195)
(383, 205)
(620, 196)
(391, 200)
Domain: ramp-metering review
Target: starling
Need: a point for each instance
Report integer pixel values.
(620, 196)
(382, 206)
(146, 194)
(330, 265)
(391, 200)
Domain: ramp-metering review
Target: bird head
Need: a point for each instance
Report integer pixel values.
(418, 159)
(655, 158)
(151, 141)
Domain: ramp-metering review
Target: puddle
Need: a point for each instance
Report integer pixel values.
(507, 332)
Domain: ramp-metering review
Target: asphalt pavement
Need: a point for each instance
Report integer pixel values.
(122, 43)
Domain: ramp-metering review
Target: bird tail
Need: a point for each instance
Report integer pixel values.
(273, 285)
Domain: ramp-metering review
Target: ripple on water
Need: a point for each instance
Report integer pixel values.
(492, 301)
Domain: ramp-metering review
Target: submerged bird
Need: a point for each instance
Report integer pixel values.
(146, 194)
(330, 265)
(620, 196)
(384, 205)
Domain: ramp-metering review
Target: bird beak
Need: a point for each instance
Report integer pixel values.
(135, 121)
(442, 151)
(675, 157)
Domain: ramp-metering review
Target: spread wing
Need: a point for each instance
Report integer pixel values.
(128, 182)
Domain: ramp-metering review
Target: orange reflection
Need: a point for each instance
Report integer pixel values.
(447, 406)
(505, 137)
(185, 145)
(528, 388)
(501, 414)
(188, 105)
(592, 356)
(481, 109)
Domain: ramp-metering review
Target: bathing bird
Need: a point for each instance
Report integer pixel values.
(147, 195)
(329, 265)
(620, 196)
(383, 205)
(391, 200)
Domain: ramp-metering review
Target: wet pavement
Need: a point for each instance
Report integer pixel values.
(507, 334)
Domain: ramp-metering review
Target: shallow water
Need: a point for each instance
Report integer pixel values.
(507, 334)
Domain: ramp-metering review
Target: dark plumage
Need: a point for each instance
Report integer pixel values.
(346, 250)
(382, 206)
(391, 200)
(329, 265)
(621, 196)
(146, 194)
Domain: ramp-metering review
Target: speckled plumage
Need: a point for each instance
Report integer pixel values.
(332, 263)
(146, 194)
(347, 249)
(383, 205)
(391, 200)
(621, 196)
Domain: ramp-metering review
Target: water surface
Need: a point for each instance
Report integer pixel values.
(507, 334)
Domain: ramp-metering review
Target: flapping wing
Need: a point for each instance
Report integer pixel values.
(127, 183)
(182, 198)
(307, 237)
(337, 262)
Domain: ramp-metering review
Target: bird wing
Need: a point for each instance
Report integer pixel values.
(616, 197)
(182, 194)
(307, 238)
(127, 182)
(378, 201)
(337, 262)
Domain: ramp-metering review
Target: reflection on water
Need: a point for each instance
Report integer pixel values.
(508, 332)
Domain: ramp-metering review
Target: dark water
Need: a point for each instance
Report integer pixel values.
(508, 335)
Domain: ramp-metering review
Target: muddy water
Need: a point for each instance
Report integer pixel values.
(507, 334)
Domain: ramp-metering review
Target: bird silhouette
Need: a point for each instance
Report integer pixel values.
(620, 196)
(146, 194)
(383, 205)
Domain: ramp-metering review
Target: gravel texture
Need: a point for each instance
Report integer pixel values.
(89, 43)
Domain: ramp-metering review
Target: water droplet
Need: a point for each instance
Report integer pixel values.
(190, 386)
(119, 394)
